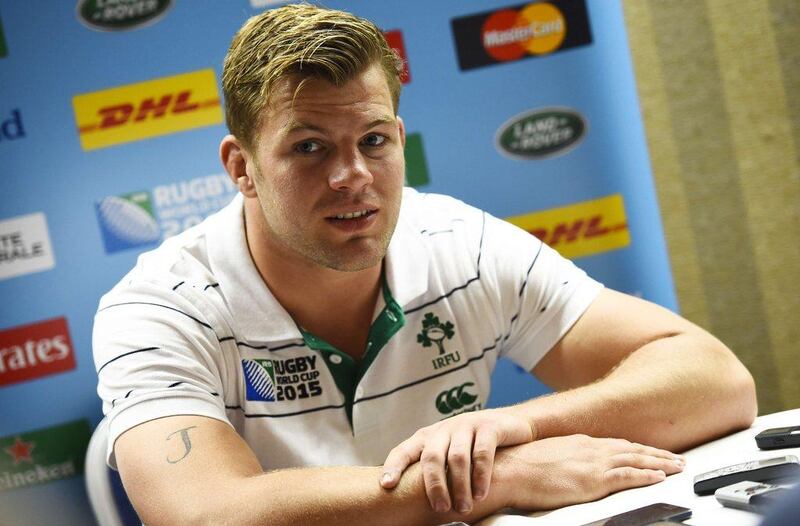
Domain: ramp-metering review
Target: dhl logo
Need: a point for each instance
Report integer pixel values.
(581, 229)
(147, 109)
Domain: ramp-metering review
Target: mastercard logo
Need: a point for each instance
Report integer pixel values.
(536, 29)
(519, 32)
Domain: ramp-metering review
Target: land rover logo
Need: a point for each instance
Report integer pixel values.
(119, 15)
(541, 133)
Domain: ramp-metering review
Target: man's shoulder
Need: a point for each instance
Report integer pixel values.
(180, 261)
(429, 212)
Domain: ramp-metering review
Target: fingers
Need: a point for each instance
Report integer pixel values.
(483, 462)
(399, 458)
(434, 477)
(459, 465)
(618, 479)
(666, 461)
(638, 460)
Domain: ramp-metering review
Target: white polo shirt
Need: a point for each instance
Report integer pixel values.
(193, 329)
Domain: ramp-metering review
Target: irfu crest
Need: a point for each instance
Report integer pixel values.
(435, 332)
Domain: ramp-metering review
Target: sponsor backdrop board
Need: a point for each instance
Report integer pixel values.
(110, 119)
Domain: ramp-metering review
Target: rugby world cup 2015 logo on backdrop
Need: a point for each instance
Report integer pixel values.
(147, 109)
(520, 31)
(121, 15)
(42, 456)
(35, 350)
(144, 218)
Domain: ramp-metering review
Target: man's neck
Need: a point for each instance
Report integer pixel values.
(334, 305)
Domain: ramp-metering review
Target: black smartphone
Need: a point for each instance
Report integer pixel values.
(779, 437)
(646, 515)
(779, 468)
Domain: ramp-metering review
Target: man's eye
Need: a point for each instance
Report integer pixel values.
(307, 147)
(374, 139)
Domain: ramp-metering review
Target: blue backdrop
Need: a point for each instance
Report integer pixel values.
(568, 85)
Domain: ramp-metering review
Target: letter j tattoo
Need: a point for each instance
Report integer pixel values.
(187, 444)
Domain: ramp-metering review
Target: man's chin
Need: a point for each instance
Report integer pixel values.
(356, 257)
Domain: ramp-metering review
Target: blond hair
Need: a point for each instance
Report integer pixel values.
(304, 40)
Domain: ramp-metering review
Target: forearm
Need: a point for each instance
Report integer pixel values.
(674, 392)
(331, 496)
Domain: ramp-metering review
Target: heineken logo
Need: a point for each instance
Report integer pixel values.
(120, 15)
(541, 133)
(278, 380)
(434, 333)
(43, 456)
(457, 400)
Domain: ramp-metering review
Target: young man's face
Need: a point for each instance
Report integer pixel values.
(330, 170)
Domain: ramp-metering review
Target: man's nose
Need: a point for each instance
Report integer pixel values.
(350, 173)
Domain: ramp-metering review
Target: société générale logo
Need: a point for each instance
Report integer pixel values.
(120, 15)
(11, 127)
(434, 332)
(35, 350)
(541, 133)
(143, 218)
(45, 455)
(457, 400)
(270, 380)
(520, 31)
(147, 109)
(25, 246)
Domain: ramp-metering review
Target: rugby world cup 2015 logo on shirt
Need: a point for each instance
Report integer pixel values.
(121, 15)
(147, 109)
(434, 334)
(35, 350)
(42, 456)
(271, 380)
(541, 133)
(457, 400)
(520, 31)
(144, 218)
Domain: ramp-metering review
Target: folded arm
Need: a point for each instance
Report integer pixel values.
(197, 470)
(629, 368)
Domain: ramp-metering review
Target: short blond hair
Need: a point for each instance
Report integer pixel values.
(303, 40)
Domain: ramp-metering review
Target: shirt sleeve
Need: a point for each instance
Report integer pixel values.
(540, 293)
(156, 355)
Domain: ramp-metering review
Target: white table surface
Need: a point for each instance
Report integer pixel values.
(676, 489)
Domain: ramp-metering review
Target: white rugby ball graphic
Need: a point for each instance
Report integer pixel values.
(128, 221)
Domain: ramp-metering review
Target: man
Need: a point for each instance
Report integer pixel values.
(328, 320)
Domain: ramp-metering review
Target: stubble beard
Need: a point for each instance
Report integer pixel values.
(343, 258)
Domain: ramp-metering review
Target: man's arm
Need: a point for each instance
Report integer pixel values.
(197, 470)
(627, 368)
(632, 369)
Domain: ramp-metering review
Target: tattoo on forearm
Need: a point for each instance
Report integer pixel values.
(187, 444)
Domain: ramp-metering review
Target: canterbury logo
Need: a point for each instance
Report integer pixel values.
(455, 399)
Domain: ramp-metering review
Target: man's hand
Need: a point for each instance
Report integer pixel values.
(462, 449)
(560, 471)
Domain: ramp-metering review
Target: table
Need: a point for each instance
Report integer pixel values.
(676, 489)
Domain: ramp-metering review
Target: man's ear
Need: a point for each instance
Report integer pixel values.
(402, 128)
(235, 159)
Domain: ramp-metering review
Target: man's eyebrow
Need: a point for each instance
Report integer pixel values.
(296, 125)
